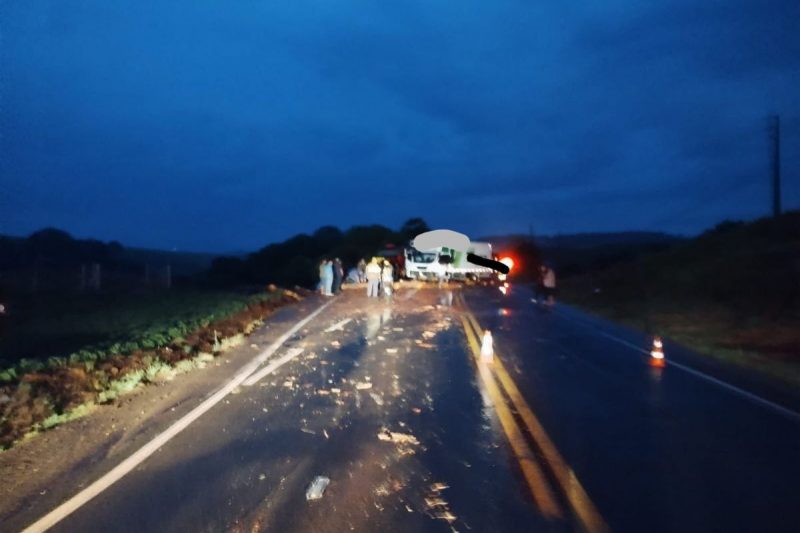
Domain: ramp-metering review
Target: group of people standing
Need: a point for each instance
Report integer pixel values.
(331, 274)
(378, 274)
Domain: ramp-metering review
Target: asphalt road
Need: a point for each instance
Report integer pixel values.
(571, 427)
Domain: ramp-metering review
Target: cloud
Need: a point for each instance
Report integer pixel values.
(217, 126)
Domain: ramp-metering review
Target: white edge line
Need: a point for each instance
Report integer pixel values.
(272, 367)
(410, 294)
(126, 466)
(732, 388)
(339, 325)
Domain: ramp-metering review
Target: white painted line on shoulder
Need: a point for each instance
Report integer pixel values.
(272, 366)
(126, 466)
(696, 373)
(410, 294)
(339, 326)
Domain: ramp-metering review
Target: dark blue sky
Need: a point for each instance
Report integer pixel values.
(226, 125)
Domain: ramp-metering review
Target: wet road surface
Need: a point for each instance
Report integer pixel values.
(568, 429)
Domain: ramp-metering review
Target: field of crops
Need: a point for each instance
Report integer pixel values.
(45, 331)
(63, 356)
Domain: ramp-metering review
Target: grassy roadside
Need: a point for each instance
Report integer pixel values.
(733, 293)
(142, 340)
(761, 346)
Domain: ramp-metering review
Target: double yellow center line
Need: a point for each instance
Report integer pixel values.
(546, 495)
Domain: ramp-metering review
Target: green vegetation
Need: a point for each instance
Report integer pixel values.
(47, 331)
(93, 350)
(732, 293)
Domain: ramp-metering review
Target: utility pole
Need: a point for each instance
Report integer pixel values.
(775, 137)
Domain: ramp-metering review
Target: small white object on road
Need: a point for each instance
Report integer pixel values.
(317, 488)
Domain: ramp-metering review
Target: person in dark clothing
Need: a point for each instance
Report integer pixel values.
(338, 275)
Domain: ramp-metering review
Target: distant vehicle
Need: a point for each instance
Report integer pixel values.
(433, 264)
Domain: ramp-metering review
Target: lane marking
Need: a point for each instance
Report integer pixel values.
(785, 411)
(339, 326)
(410, 294)
(576, 495)
(126, 466)
(272, 366)
(540, 489)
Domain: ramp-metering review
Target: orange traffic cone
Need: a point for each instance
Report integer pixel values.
(658, 349)
(487, 350)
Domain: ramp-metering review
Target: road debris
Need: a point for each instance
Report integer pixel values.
(317, 488)
(404, 441)
(377, 398)
(446, 516)
(435, 502)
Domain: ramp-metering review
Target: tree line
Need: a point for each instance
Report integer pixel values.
(295, 261)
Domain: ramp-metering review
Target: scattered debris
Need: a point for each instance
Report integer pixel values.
(361, 385)
(397, 329)
(428, 334)
(439, 487)
(391, 350)
(377, 398)
(447, 516)
(288, 384)
(335, 344)
(334, 390)
(435, 502)
(317, 488)
(323, 392)
(404, 441)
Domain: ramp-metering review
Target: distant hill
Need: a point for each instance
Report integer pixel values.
(574, 254)
(733, 290)
(588, 240)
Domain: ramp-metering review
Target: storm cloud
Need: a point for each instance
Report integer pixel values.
(224, 126)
